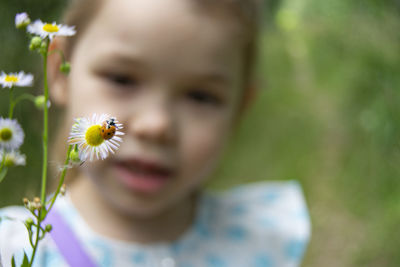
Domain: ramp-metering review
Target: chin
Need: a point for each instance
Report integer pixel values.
(140, 206)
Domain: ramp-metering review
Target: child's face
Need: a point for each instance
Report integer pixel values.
(172, 75)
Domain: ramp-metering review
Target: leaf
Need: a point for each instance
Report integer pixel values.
(43, 213)
(25, 262)
(13, 261)
(3, 174)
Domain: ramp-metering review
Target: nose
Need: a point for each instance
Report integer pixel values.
(152, 124)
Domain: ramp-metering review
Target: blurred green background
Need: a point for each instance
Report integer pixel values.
(327, 114)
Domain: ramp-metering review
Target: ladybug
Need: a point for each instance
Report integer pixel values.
(108, 129)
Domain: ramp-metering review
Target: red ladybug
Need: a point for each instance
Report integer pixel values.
(108, 129)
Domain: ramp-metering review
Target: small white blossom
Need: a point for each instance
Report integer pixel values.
(90, 134)
(16, 79)
(44, 30)
(12, 158)
(22, 20)
(11, 134)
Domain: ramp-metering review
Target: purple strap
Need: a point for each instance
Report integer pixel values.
(67, 242)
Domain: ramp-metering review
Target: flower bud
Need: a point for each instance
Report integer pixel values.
(74, 156)
(31, 206)
(22, 20)
(29, 221)
(36, 203)
(26, 201)
(63, 189)
(43, 47)
(39, 102)
(65, 67)
(36, 42)
(9, 162)
(48, 227)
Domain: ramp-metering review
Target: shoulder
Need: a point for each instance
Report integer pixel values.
(14, 240)
(12, 221)
(13, 234)
(264, 222)
(266, 205)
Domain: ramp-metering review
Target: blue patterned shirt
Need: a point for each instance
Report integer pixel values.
(263, 224)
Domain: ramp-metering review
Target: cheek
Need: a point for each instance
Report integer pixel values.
(99, 173)
(86, 96)
(202, 145)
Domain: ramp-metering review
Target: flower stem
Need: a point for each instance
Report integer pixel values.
(45, 125)
(12, 104)
(53, 199)
(3, 169)
(45, 140)
(24, 97)
(61, 182)
(36, 239)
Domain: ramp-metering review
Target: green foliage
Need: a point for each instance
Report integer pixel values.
(15, 56)
(25, 261)
(3, 173)
(326, 113)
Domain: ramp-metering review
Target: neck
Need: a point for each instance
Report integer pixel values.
(166, 226)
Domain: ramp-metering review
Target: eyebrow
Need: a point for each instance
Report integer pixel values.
(215, 78)
(124, 60)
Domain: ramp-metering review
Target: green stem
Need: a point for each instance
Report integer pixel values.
(10, 113)
(45, 126)
(61, 182)
(30, 238)
(3, 169)
(45, 140)
(24, 97)
(3, 152)
(13, 102)
(39, 220)
(36, 239)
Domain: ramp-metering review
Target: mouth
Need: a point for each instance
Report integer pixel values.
(142, 175)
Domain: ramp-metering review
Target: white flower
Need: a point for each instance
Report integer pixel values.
(12, 158)
(50, 30)
(96, 136)
(16, 79)
(22, 20)
(11, 134)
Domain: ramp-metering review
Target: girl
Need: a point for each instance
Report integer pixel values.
(178, 75)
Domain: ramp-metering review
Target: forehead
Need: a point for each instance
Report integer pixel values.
(164, 31)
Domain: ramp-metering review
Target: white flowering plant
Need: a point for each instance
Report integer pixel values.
(90, 138)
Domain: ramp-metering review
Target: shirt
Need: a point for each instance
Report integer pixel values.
(263, 224)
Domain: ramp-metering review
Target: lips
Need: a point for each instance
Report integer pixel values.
(141, 175)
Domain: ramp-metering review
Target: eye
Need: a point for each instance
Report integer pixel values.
(122, 80)
(203, 97)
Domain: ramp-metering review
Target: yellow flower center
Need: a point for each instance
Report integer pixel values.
(93, 136)
(5, 134)
(11, 79)
(50, 28)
